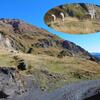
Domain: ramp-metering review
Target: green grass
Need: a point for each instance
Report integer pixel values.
(6, 61)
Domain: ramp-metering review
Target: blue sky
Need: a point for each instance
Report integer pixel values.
(33, 11)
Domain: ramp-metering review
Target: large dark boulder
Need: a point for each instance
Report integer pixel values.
(22, 65)
(3, 95)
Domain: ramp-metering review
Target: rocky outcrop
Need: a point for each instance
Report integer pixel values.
(64, 53)
(14, 86)
(22, 65)
(4, 41)
(11, 83)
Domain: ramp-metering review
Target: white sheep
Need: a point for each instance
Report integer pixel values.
(62, 16)
(54, 17)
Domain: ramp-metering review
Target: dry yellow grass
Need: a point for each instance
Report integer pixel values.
(75, 26)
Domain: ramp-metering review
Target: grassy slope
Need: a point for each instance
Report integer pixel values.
(52, 72)
(75, 26)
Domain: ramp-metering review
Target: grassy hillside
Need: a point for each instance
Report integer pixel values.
(53, 62)
(74, 26)
(52, 72)
(20, 36)
(77, 18)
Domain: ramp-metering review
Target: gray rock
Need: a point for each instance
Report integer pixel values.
(16, 90)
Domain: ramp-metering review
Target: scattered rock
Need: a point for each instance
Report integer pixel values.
(5, 70)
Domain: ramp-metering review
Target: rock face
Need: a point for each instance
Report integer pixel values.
(14, 86)
(24, 37)
(10, 83)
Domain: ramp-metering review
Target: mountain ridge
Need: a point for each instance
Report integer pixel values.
(27, 38)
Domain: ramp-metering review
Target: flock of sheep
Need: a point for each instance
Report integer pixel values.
(91, 12)
(61, 14)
